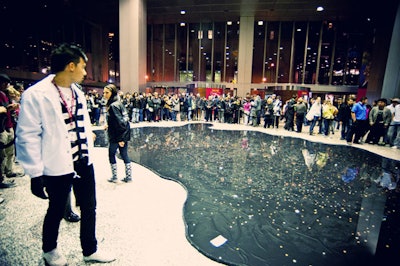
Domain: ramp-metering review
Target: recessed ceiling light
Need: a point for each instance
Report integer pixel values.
(320, 8)
(183, 12)
(229, 22)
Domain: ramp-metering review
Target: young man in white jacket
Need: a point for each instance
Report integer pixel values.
(54, 145)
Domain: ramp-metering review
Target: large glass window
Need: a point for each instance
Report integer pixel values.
(333, 53)
(157, 52)
(205, 53)
(285, 51)
(183, 57)
(312, 52)
(352, 55)
(194, 46)
(328, 37)
(258, 52)
(169, 53)
(339, 64)
(219, 50)
(232, 51)
(299, 47)
(271, 52)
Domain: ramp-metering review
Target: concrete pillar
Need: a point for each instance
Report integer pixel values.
(391, 80)
(132, 44)
(245, 60)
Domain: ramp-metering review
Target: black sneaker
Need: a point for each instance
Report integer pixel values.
(7, 185)
(72, 217)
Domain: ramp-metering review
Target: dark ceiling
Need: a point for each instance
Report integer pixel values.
(105, 12)
(168, 11)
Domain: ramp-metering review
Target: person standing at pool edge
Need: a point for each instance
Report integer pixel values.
(54, 146)
(119, 132)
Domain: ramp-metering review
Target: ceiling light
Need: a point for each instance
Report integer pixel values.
(229, 23)
(260, 23)
(320, 8)
(183, 24)
(183, 12)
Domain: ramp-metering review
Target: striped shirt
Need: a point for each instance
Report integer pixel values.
(76, 130)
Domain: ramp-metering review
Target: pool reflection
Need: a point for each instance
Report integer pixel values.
(270, 200)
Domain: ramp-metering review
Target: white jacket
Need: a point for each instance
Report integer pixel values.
(42, 142)
(315, 110)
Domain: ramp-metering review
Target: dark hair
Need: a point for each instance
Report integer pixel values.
(114, 93)
(4, 78)
(64, 54)
(382, 100)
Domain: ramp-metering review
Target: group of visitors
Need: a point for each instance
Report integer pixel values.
(9, 108)
(153, 107)
(380, 126)
(358, 122)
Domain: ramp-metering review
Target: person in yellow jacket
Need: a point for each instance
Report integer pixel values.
(329, 111)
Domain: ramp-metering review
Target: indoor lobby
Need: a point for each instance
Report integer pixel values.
(209, 193)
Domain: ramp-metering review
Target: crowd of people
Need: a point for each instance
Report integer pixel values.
(357, 121)
(9, 105)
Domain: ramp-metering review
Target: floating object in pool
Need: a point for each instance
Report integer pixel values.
(386, 181)
(218, 241)
(350, 175)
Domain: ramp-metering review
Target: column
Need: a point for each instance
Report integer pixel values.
(132, 44)
(391, 80)
(245, 60)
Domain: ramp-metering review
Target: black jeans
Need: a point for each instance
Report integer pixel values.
(58, 188)
(358, 130)
(123, 151)
(299, 121)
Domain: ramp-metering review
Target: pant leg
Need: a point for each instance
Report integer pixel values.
(8, 153)
(299, 122)
(58, 189)
(351, 132)
(124, 153)
(112, 151)
(344, 130)
(360, 130)
(313, 123)
(326, 127)
(396, 141)
(85, 188)
(392, 133)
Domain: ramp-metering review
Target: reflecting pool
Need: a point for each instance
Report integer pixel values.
(257, 199)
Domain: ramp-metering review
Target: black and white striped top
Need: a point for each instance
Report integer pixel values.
(76, 129)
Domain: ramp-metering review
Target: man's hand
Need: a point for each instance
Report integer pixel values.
(37, 187)
(13, 106)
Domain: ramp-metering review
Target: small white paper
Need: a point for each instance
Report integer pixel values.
(218, 241)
